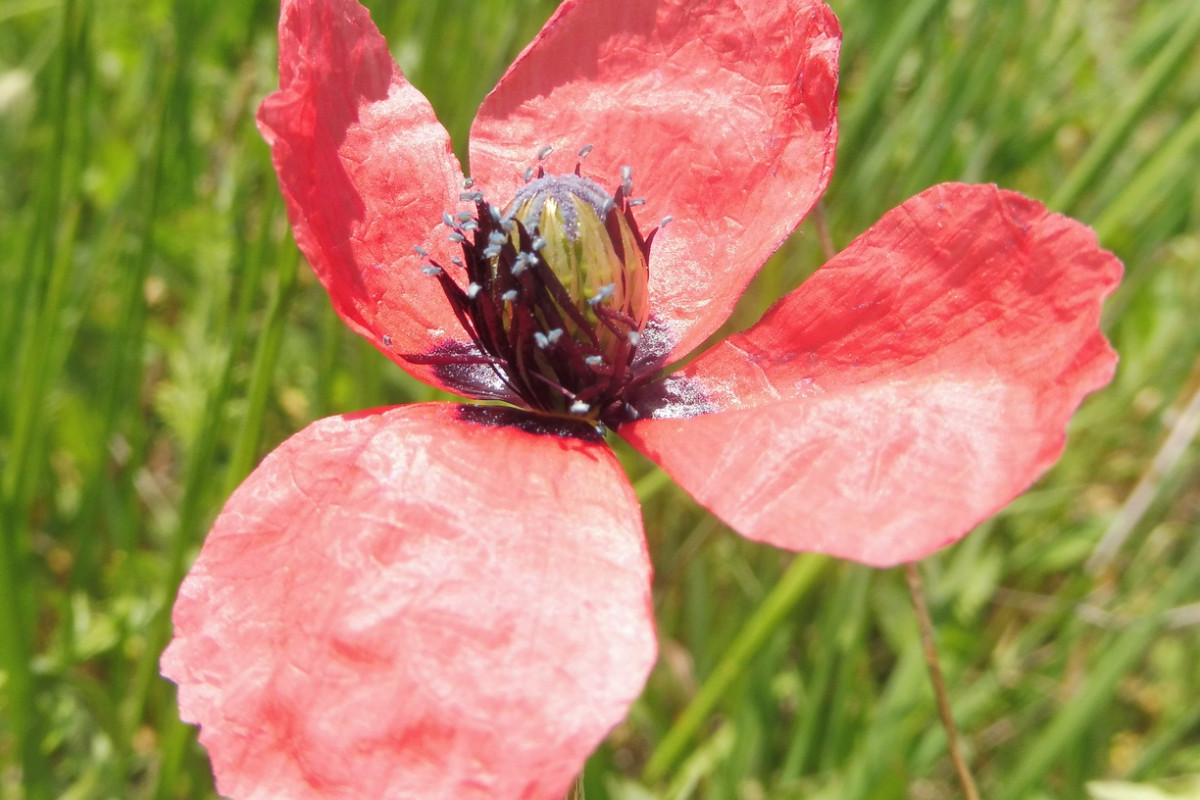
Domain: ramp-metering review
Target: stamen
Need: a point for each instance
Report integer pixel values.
(665, 221)
(545, 151)
(583, 151)
(603, 294)
(468, 183)
(387, 340)
(516, 298)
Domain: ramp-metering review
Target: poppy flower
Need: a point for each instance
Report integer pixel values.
(453, 600)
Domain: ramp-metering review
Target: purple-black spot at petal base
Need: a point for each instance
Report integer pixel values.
(464, 369)
(539, 424)
(674, 397)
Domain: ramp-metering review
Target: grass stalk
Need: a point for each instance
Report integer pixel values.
(795, 583)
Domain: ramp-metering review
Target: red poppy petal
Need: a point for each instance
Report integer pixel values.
(404, 603)
(909, 389)
(366, 170)
(725, 110)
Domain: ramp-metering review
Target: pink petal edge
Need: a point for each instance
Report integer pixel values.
(726, 111)
(401, 603)
(909, 389)
(366, 171)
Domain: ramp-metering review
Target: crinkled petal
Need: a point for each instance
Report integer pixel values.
(419, 602)
(366, 170)
(725, 110)
(909, 389)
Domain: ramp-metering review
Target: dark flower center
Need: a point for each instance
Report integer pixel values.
(556, 298)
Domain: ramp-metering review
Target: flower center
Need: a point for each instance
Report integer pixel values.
(556, 299)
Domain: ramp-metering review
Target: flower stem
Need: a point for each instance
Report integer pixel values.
(939, 683)
(576, 792)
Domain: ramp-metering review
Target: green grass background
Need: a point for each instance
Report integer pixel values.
(159, 334)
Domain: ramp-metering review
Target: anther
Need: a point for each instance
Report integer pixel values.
(468, 183)
(421, 251)
(463, 216)
(492, 251)
(447, 220)
(609, 205)
(626, 174)
(387, 340)
(457, 237)
(583, 151)
(496, 237)
(542, 340)
(605, 292)
(471, 197)
(637, 201)
(509, 296)
(634, 337)
(580, 407)
(469, 225)
(593, 361)
(473, 290)
(538, 243)
(528, 174)
(520, 263)
(554, 335)
(668, 219)
(545, 151)
(456, 261)
(431, 270)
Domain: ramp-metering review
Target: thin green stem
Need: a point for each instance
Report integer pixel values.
(917, 591)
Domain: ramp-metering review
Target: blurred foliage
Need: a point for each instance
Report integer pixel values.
(160, 334)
